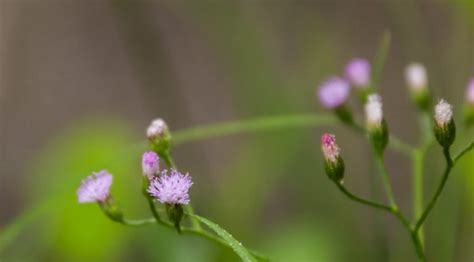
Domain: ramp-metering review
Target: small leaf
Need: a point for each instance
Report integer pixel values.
(238, 248)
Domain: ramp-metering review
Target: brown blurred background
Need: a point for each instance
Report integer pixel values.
(72, 69)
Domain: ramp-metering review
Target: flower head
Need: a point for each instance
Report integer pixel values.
(150, 164)
(443, 113)
(358, 72)
(470, 91)
(334, 165)
(330, 149)
(373, 110)
(415, 76)
(445, 128)
(157, 128)
(95, 188)
(171, 189)
(334, 92)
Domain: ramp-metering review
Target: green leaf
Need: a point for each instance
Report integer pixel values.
(238, 248)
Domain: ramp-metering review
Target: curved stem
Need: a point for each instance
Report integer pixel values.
(463, 152)
(269, 123)
(187, 231)
(449, 166)
(361, 200)
(394, 211)
(386, 180)
(252, 125)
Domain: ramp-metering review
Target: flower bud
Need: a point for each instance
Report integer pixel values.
(416, 79)
(376, 124)
(334, 165)
(333, 94)
(159, 136)
(444, 128)
(469, 107)
(357, 71)
(150, 164)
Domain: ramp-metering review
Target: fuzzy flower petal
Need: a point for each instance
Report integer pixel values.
(333, 92)
(95, 188)
(415, 76)
(150, 164)
(443, 113)
(358, 72)
(329, 147)
(171, 189)
(157, 128)
(373, 110)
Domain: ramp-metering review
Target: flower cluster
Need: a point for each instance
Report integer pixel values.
(167, 189)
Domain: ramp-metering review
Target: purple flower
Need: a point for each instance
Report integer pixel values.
(150, 164)
(358, 72)
(95, 188)
(470, 91)
(333, 92)
(171, 189)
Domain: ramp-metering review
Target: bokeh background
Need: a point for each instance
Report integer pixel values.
(80, 81)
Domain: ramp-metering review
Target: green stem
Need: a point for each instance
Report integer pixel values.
(418, 157)
(449, 166)
(188, 231)
(269, 123)
(385, 180)
(361, 200)
(395, 212)
(252, 125)
(463, 152)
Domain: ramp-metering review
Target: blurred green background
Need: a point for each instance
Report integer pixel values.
(80, 81)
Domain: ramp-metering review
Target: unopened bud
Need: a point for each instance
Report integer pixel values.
(376, 124)
(334, 165)
(444, 128)
(159, 135)
(417, 81)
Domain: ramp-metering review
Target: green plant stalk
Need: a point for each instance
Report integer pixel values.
(385, 180)
(417, 159)
(187, 231)
(444, 179)
(270, 123)
(392, 210)
(417, 184)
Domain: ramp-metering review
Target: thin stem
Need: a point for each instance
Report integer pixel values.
(138, 223)
(153, 210)
(187, 231)
(361, 200)
(270, 123)
(449, 166)
(252, 125)
(463, 152)
(385, 180)
(394, 211)
(418, 157)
